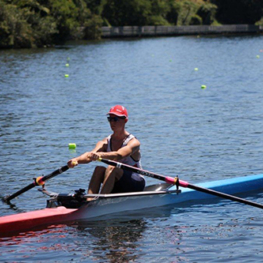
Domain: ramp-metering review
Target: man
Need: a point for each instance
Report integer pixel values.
(120, 146)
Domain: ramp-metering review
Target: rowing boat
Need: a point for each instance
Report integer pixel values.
(64, 208)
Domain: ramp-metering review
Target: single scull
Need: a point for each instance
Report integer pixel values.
(63, 208)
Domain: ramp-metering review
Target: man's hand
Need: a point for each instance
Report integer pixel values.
(94, 156)
(72, 163)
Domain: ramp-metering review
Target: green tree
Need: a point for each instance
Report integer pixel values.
(25, 24)
(14, 29)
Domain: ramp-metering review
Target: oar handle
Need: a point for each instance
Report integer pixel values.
(37, 181)
(182, 183)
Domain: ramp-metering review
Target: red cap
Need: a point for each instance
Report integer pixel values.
(118, 110)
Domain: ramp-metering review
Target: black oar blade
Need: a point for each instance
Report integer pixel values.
(10, 197)
(12, 206)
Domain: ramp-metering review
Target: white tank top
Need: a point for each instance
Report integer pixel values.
(127, 160)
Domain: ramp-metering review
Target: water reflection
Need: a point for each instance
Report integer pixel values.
(115, 240)
(119, 237)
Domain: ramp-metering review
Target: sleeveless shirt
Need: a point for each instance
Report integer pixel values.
(126, 160)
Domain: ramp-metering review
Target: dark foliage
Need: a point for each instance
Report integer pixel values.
(38, 23)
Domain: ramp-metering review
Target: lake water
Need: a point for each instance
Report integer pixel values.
(198, 134)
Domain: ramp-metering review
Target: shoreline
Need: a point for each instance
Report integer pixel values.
(150, 31)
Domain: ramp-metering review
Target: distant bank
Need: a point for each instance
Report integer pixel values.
(143, 31)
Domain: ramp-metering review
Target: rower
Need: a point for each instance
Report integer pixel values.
(120, 146)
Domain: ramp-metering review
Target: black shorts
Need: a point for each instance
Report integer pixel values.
(129, 182)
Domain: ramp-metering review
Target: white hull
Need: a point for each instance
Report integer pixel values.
(110, 204)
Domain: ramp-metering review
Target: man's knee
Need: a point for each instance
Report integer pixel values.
(115, 172)
(99, 173)
(99, 169)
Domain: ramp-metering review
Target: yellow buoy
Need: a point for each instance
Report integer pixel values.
(72, 146)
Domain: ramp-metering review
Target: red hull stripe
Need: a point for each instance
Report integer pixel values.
(29, 220)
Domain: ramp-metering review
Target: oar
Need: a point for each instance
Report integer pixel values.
(37, 181)
(178, 182)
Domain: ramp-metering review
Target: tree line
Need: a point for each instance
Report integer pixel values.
(38, 23)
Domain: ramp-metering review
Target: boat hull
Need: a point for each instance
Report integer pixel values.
(233, 186)
(110, 204)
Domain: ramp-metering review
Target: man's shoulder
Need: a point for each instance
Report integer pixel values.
(133, 139)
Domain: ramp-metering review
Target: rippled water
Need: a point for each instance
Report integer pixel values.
(198, 134)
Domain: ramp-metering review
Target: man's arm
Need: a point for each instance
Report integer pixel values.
(87, 157)
(132, 147)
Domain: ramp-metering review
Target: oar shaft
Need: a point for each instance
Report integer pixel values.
(180, 182)
(42, 179)
(222, 195)
(137, 170)
(55, 173)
